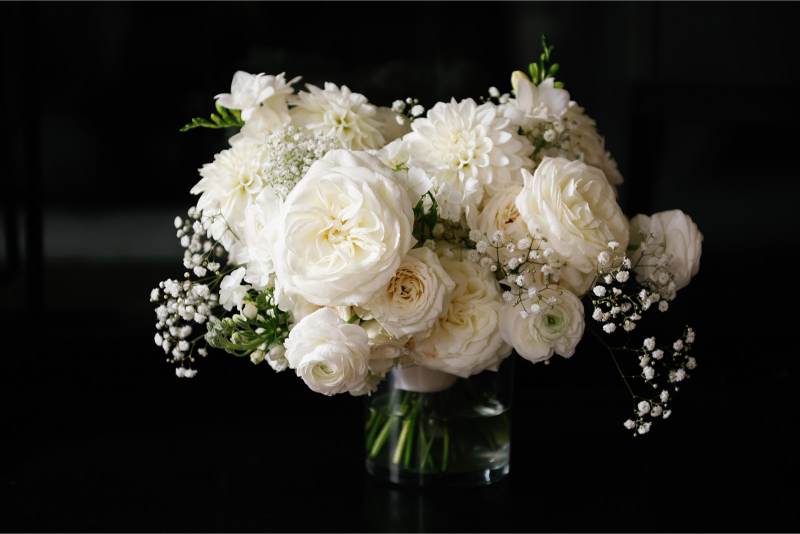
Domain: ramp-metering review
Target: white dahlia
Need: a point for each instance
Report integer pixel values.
(339, 113)
(471, 148)
(229, 186)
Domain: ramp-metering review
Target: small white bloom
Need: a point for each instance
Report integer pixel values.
(189, 373)
(629, 424)
(690, 337)
(678, 345)
(250, 310)
(437, 230)
(598, 314)
(398, 106)
(650, 343)
(615, 310)
(257, 356)
(482, 246)
(520, 280)
(179, 372)
(616, 291)
(523, 314)
(664, 395)
(680, 374)
(644, 361)
(550, 135)
(493, 92)
(600, 291)
(603, 258)
(202, 352)
(417, 110)
(667, 414)
(656, 411)
(486, 261)
(499, 236)
(644, 428)
(626, 263)
(178, 222)
(548, 252)
(613, 245)
(608, 279)
(536, 309)
(511, 247)
(649, 372)
(532, 291)
(507, 296)
(625, 307)
(524, 243)
(231, 292)
(159, 340)
(474, 235)
(658, 354)
(513, 263)
(609, 328)
(473, 255)
(622, 276)
(430, 243)
(447, 253)
(199, 271)
(644, 407)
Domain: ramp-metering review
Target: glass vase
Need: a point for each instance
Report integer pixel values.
(427, 428)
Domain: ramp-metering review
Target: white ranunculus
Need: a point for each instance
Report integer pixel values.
(415, 298)
(392, 125)
(574, 207)
(229, 186)
(551, 330)
(535, 104)
(231, 292)
(330, 355)
(339, 113)
(467, 339)
(584, 143)
(276, 357)
(343, 231)
(681, 238)
(469, 147)
(262, 101)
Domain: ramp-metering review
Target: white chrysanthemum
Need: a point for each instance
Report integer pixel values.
(470, 147)
(339, 113)
(262, 100)
(229, 185)
(467, 339)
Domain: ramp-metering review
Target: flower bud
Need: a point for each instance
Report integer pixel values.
(515, 77)
(250, 311)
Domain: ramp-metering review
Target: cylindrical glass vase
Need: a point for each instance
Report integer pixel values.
(428, 428)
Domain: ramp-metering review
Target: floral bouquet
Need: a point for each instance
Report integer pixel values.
(353, 243)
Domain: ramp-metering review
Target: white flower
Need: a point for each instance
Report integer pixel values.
(231, 292)
(262, 100)
(415, 298)
(229, 185)
(257, 356)
(276, 358)
(650, 343)
(644, 361)
(339, 113)
(682, 240)
(467, 339)
(613, 245)
(603, 258)
(690, 337)
(658, 354)
(600, 291)
(678, 345)
(535, 103)
(398, 106)
(493, 92)
(259, 237)
(466, 143)
(663, 305)
(448, 198)
(330, 355)
(598, 314)
(644, 428)
(609, 328)
(385, 350)
(622, 276)
(629, 424)
(500, 214)
(644, 407)
(343, 231)
(557, 329)
(417, 110)
(656, 411)
(667, 414)
(664, 395)
(574, 206)
(649, 372)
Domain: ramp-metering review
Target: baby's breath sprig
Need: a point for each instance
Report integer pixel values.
(411, 107)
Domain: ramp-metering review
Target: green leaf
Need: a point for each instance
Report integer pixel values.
(553, 70)
(558, 85)
(225, 121)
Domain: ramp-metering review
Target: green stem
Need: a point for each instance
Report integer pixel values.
(427, 456)
(424, 441)
(446, 447)
(373, 431)
(611, 352)
(372, 416)
(412, 419)
(401, 442)
(381, 439)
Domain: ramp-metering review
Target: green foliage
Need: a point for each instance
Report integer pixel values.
(428, 219)
(543, 70)
(227, 118)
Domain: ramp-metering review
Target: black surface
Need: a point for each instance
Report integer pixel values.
(696, 103)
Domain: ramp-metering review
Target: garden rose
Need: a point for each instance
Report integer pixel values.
(574, 207)
(415, 298)
(343, 230)
(466, 340)
(681, 238)
(330, 355)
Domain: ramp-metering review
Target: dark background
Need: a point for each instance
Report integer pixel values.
(698, 106)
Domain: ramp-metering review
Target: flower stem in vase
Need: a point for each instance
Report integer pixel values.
(445, 447)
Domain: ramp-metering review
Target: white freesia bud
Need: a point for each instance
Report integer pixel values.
(682, 240)
(330, 355)
(578, 222)
(343, 230)
(415, 298)
(537, 337)
(250, 310)
(257, 356)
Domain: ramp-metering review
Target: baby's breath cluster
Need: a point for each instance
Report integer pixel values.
(411, 107)
(290, 153)
(660, 280)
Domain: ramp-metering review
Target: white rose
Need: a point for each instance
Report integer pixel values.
(415, 298)
(574, 206)
(343, 231)
(681, 238)
(384, 349)
(541, 334)
(330, 355)
(467, 339)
